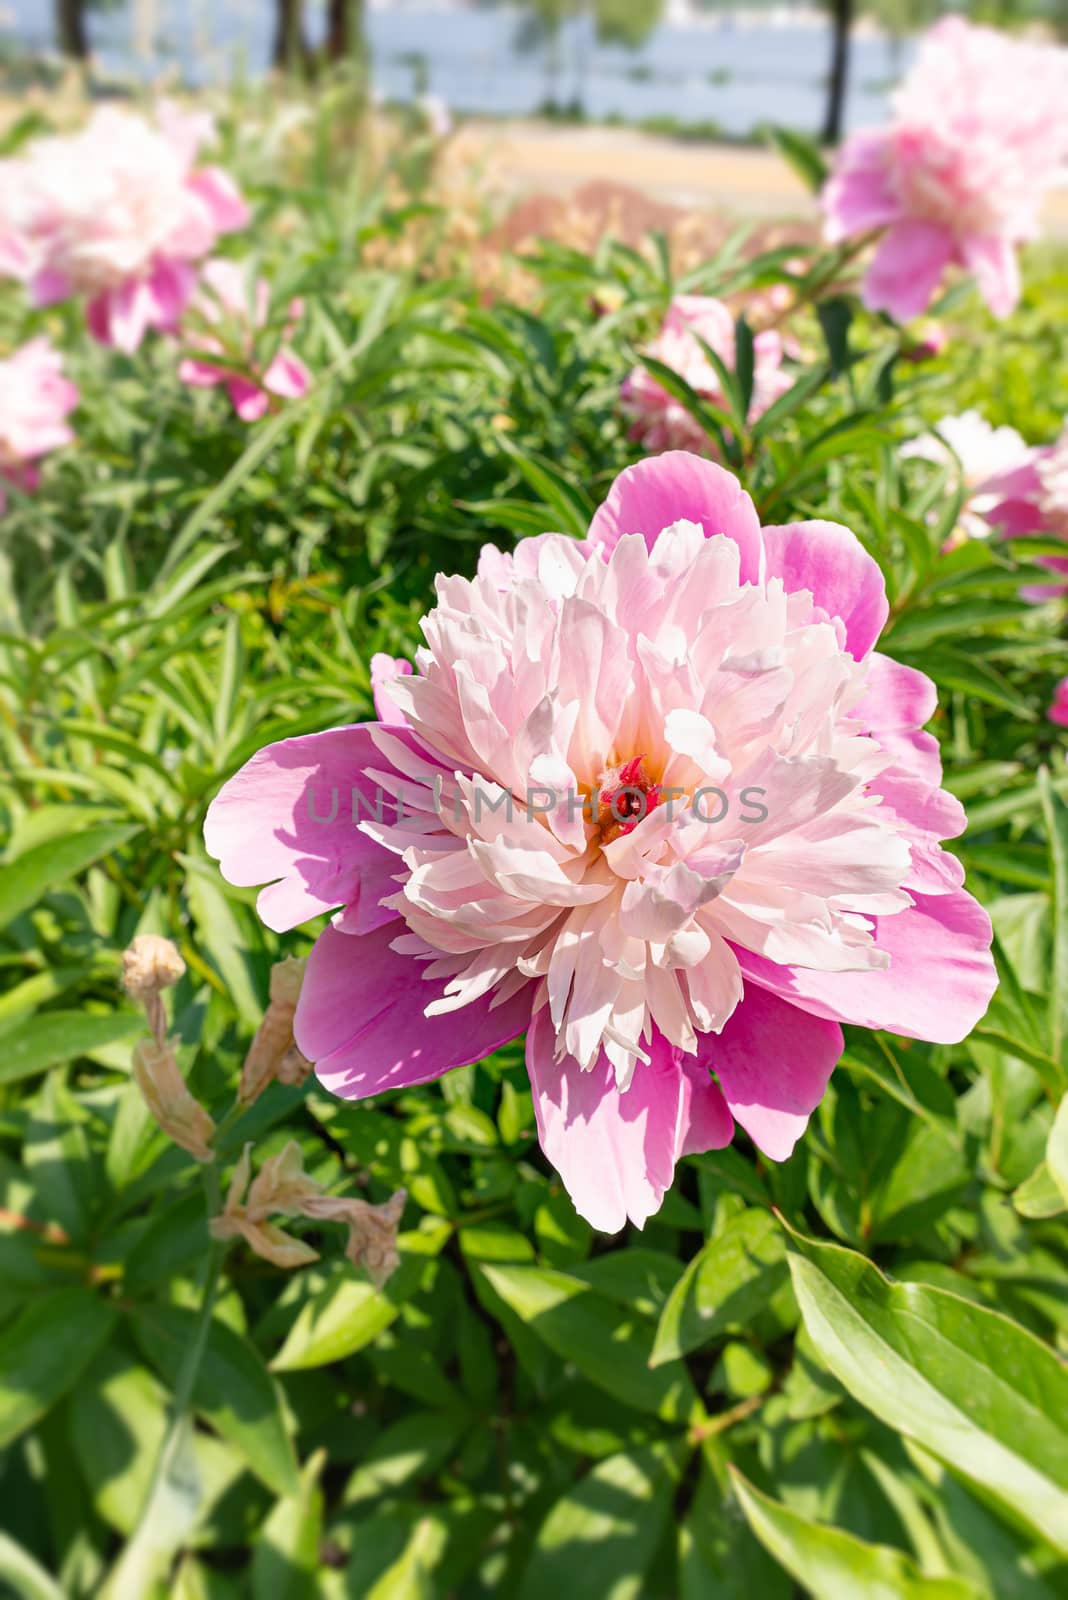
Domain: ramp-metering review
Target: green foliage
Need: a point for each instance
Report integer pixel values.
(844, 1372)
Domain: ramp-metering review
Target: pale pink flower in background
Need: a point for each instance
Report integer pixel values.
(983, 456)
(979, 133)
(1058, 711)
(643, 945)
(119, 213)
(660, 421)
(35, 399)
(229, 311)
(1031, 501)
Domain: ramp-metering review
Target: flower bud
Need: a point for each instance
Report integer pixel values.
(151, 963)
(274, 1036)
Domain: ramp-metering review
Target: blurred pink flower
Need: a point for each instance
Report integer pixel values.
(984, 457)
(644, 945)
(979, 132)
(1032, 501)
(1058, 711)
(660, 421)
(118, 213)
(35, 399)
(228, 312)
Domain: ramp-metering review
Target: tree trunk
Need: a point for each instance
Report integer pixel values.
(842, 21)
(344, 30)
(71, 34)
(290, 50)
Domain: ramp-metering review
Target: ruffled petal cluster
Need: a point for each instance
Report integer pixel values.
(652, 797)
(35, 401)
(660, 422)
(979, 133)
(228, 314)
(119, 214)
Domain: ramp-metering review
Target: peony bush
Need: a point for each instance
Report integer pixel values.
(532, 956)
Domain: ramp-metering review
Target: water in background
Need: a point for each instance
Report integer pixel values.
(737, 71)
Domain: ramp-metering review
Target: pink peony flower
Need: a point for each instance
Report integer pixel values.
(1031, 500)
(231, 311)
(985, 457)
(644, 942)
(1058, 711)
(660, 422)
(979, 132)
(118, 213)
(35, 398)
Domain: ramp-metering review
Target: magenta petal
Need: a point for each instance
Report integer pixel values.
(830, 561)
(287, 816)
(49, 287)
(287, 376)
(773, 1062)
(360, 1017)
(249, 400)
(615, 1152)
(906, 268)
(706, 1122)
(676, 486)
(938, 985)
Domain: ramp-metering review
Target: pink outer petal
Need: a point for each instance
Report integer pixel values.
(360, 1017)
(651, 495)
(616, 1152)
(997, 272)
(773, 1062)
(899, 700)
(287, 376)
(260, 830)
(226, 205)
(122, 316)
(384, 669)
(250, 401)
(937, 987)
(858, 195)
(171, 284)
(830, 561)
(49, 287)
(905, 270)
(199, 374)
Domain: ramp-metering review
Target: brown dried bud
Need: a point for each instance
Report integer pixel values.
(183, 1119)
(294, 1069)
(282, 1185)
(151, 963)
(241, 1220)
(274, 1036)
(372, 1230)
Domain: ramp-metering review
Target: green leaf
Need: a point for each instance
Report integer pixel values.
(802, 154)
(1055, 813)
(1038, 1196)
(970, 1385)
(1057, 1150)
(611, 1349)
(414, 1447)
(285, 1559)
(233, 1390)
(838, 1566)
(728, 1282)
(45, 1351)
(599, 1540)
(348, 1312)
(25, 1576)
(55, 1037)
(26, 880)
